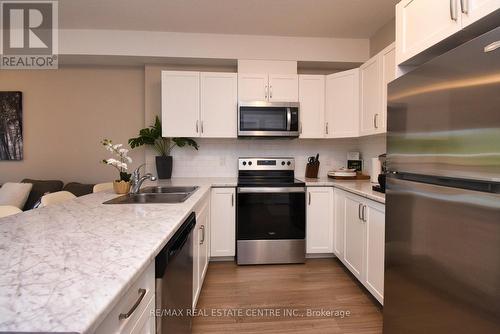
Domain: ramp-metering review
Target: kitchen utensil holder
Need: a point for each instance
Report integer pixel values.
(312, 169)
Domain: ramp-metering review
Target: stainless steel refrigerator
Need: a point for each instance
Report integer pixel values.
(442, 265)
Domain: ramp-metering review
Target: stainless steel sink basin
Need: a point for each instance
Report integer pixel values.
(155, 195)
(168, 190)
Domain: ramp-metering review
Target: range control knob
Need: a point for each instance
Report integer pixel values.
(282, 163)
(288, 163)
(249, 163)
(244, 163)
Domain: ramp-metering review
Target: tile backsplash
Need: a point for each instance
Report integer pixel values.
(218, 157)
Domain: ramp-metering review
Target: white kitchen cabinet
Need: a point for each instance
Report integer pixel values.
(140, 320)
(219, 103)
(199, 104)
(201, 244)
(375, 74)
(342, 104)
(252, 87)
(355, 236)
(319, 220)
(223, 222)
(374, 217)
(338, 222)
(473, 10)
(421, 24)
(180, 103)
(312, 106)
(371, 95)
(268, 87)
(388, 63)
(283, 88)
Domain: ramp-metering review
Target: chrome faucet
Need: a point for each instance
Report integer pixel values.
(136, 180)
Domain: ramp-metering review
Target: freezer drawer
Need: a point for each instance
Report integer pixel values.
(442, 268)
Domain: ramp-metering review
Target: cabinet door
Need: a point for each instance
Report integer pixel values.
(196, 261)
(180, 108)
(421, 24)
(354, 248)
(342, 104)
(203, 242)
(312, 106)
(338, 223)
(283, 87)
(371, 95)
(319, 224)
(374, 215)
(473, 10)
(219, 102)
(252, 87)
(223, 222)
(388, 62)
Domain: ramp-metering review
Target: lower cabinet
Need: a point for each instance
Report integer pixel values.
(319, 227)
(201, 244)
(359, 239)
(127, 316)
(223, 222)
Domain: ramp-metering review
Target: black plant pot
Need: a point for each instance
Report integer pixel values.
(164, 167)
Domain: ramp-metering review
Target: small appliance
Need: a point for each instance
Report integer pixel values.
(268, 119)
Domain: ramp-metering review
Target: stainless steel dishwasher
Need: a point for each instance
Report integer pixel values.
(174, 281)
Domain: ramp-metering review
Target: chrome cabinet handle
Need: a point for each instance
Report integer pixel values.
(265, 91)
(375, 119)
(300, 128)
(453, 9)
(232, 200)
(359, 211)
(465, 6)
(201, 126)
(196, 126)
(326, 127)
(142, 293)
(202, 228)
(309, 198)
(270, 92)
(363, 215)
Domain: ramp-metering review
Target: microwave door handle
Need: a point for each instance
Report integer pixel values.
(288, 119)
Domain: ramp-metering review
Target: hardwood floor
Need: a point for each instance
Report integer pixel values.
(319, 284)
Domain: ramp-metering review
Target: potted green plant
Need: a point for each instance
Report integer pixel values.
(121, 185)
(151, 136)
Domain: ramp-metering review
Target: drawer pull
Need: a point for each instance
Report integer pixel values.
(142, 293)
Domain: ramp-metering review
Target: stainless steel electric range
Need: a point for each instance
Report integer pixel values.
(270, 212)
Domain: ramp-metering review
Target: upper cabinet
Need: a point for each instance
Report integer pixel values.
(374, 75)
(219, 103)
(180, 103)
(421, 24)
(198, 104)
(268, 87)
(312, 106)
(342, 104)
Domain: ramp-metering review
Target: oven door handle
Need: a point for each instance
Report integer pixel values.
(257, 190)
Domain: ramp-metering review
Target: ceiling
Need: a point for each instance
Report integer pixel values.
(307, 18)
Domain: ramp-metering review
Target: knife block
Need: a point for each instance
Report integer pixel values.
(312, 170)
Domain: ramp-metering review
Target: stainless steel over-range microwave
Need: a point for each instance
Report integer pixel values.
(268, 119)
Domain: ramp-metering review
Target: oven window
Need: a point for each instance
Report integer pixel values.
(260, 119)
(271, 216)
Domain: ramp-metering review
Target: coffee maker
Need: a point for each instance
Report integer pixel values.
(380, 187)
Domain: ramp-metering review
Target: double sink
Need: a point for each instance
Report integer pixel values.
(156, 194)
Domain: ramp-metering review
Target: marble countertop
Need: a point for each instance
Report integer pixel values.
(361, 188)
(65, 266)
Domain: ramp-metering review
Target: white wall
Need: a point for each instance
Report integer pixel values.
(196, 45)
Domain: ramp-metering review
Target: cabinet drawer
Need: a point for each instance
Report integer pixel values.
(112, 323)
